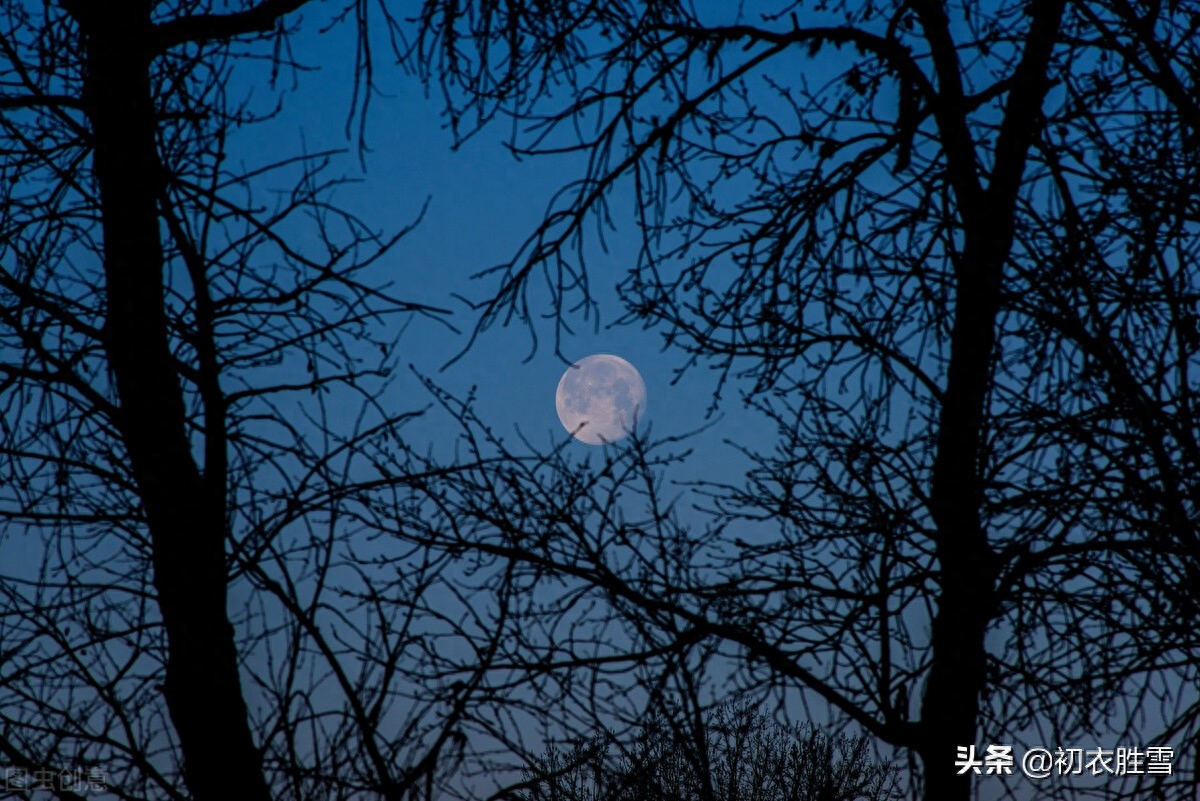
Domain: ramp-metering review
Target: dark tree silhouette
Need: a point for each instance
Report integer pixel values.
(185, 607)
(736, 753)
(953, 247)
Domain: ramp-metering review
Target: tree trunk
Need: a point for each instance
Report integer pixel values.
(957, 674)
(967, 564)
(185, 516)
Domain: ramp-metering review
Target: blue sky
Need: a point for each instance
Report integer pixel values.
(480, 204)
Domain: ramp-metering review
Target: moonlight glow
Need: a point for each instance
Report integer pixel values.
(600, 399)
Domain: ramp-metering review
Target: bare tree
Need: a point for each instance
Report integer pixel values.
(954, 258)
(184, 605)
(737, 753)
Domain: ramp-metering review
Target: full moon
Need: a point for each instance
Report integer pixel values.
(600, 399)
